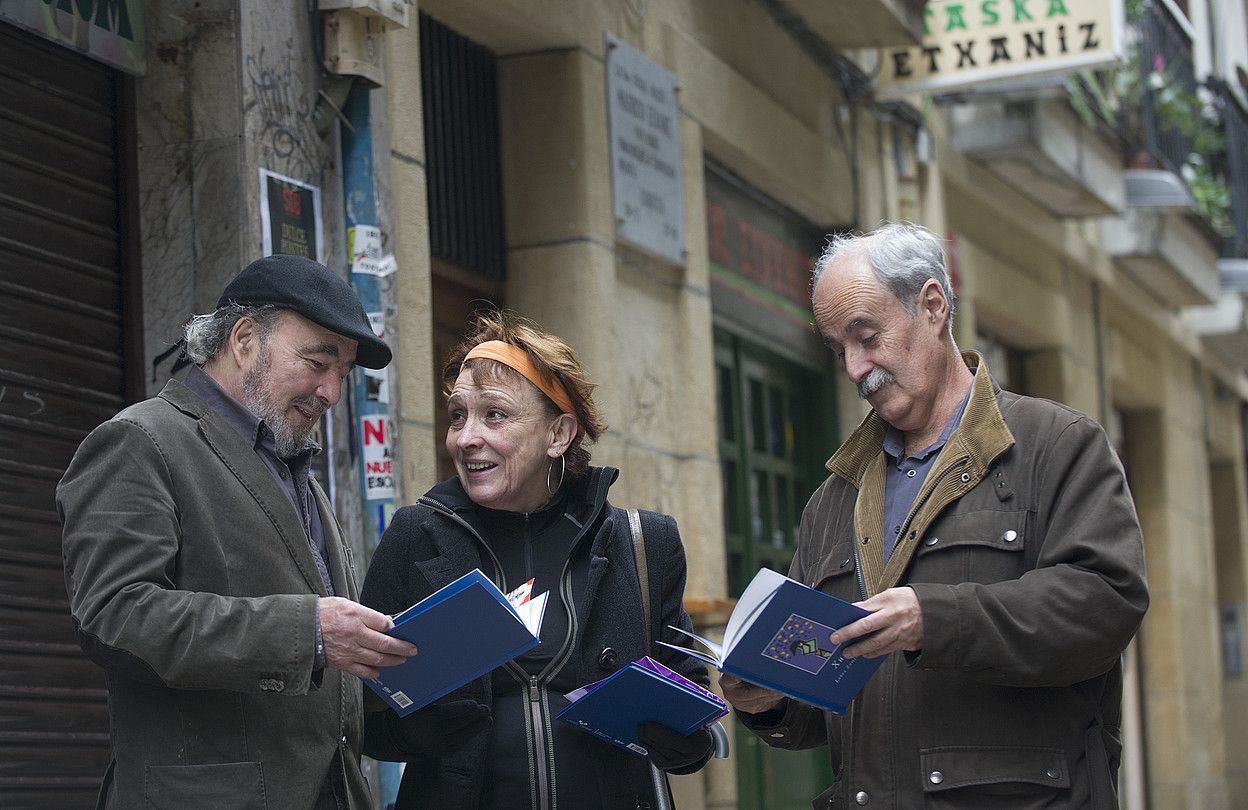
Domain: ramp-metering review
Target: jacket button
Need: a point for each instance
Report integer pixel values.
(936, 777)
(1052, 773)
(606, 658)
(931, 541)
(844, 562)
(1009, 535)
(862, 797)
(966, 478)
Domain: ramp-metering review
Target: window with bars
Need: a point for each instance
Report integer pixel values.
(459, 85)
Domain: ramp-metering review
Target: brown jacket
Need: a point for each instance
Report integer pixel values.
(1025, 553)
(192, 584)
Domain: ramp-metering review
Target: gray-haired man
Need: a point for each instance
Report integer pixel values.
(993, 539)
(207, 574)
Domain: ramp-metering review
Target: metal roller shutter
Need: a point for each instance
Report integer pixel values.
(61, 374)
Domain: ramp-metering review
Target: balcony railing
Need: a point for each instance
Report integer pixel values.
(1165, 51)
(1234, 166)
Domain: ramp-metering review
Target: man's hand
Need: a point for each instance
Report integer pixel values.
(355, 640)
(747, 697)
(895, 623)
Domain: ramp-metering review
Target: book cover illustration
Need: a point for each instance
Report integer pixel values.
(779, 637)
(798, 644)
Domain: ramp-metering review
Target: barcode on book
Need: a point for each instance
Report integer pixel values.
(403, 700)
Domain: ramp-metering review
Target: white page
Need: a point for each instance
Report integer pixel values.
(706, 642)
(755, 598)
(531, 613)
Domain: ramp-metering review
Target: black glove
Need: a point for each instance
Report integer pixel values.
(673, 752)
(434, 731)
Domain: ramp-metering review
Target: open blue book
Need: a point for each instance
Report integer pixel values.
(461, 632)
(778, 637)
(641, 692)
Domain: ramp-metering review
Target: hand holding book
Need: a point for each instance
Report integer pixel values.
(749, 697)
(624, 708)
(780, 636)
(672, 751)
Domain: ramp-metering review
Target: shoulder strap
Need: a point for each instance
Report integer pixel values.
(643, 574)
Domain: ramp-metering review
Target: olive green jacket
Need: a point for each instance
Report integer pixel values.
(191, 582)
(1026, 555)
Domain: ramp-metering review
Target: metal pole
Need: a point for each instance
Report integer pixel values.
(373, 436)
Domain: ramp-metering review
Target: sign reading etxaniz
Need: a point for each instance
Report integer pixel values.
(108, 30)
(970, 43)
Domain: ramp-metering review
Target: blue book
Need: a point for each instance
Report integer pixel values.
(642, 692)
(461, 632)
(778, 637)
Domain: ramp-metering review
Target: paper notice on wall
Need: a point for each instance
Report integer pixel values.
(378, 458)
(377, 385)
(364, 245)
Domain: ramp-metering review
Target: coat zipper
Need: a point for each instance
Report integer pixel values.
(539, 720)
(862, 589)
(538, 717)
(541, 729)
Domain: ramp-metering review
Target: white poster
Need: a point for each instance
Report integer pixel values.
(378, 458)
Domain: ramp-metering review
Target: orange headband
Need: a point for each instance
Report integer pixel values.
(517, 359)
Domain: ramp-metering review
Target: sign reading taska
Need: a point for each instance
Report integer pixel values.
(974, 42)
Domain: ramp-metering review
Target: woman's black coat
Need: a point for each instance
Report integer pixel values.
(427, 547)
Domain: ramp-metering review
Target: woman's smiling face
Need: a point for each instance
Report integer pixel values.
(503, 436)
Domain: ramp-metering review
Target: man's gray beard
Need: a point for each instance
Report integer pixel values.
(874, 381)
(290, 440)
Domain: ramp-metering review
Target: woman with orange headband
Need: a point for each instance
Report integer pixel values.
(526, 504)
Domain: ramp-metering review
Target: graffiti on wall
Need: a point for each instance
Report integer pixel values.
(284, 98)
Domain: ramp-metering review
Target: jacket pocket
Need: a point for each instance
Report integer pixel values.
(996, 777)
(984, 546)
(835, 573)
(236, 785)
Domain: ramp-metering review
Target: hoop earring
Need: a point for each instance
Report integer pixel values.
(562, 471)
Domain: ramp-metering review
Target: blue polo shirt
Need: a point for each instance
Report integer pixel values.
(904, 475)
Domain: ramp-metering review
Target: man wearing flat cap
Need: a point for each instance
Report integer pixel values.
(207, 574)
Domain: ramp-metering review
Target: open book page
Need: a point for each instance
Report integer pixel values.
(751, 603)
(672, 675)
(531, 613)
(716, 656)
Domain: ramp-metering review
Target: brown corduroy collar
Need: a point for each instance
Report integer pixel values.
(982, 432)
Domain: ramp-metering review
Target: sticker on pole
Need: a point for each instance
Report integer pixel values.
(364, 245)
(378, 458)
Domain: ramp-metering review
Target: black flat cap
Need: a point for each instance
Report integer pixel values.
(315, 292)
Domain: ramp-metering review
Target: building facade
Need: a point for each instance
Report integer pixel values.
(650, 181)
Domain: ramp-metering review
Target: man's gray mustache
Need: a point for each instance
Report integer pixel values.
(874, 381)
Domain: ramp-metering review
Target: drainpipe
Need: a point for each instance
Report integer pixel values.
(374, 440)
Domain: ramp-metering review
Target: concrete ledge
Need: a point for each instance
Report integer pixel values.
(1166, 253)
(1044, 151)
(864, 23)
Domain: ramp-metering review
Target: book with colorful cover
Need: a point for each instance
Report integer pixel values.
(461, 632)
(778, 637)
(644, 691)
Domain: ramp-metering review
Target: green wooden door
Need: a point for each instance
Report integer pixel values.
(776, 428)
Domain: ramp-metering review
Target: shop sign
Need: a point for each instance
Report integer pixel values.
(769, 248)
(972, 43)
(290, 216)
(108, 30)
(644, 129)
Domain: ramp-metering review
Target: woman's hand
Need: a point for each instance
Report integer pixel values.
(672, 751)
